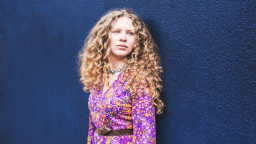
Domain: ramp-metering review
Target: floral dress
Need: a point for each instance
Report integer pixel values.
(117, 109)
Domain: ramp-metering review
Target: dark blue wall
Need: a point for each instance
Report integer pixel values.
(207, 50)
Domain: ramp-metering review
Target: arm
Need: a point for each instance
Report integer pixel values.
(143, 115)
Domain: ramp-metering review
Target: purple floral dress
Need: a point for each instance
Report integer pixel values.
(117, 109)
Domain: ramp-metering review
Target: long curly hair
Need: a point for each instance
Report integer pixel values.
(143, 62)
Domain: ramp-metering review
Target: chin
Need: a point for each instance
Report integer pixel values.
(120, 55)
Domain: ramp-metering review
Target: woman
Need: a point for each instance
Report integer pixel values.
(120, 67)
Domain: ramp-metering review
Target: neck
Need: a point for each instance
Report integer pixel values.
(116, 63)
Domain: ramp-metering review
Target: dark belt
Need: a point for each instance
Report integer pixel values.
(115, 132)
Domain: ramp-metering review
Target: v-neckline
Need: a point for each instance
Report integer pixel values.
(110, 85)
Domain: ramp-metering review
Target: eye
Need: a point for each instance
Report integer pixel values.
(130, 33)
(115, 31)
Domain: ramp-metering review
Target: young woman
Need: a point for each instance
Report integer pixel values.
(120, 67)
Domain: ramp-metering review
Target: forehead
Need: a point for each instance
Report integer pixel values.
(124, 23)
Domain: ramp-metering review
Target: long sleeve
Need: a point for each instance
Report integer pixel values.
(143, 117)
(91, 130)
(91, 127)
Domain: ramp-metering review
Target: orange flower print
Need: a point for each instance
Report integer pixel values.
(118, 103)
(147, 90)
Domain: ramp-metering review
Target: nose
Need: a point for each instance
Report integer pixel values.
(123, 37)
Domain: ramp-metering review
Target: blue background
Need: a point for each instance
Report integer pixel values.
(207, 50)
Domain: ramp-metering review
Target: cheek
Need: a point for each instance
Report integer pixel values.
(113, 40)
(111, 43)
(133, 42)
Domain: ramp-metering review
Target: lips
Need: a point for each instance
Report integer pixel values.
(122, 46)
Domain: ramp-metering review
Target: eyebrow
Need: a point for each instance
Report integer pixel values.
(126, 30)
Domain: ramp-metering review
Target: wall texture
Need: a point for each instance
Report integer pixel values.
(207, 50)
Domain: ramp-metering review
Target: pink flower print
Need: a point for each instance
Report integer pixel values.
(149, 131)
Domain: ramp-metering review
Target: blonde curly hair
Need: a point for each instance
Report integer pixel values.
(143, 62)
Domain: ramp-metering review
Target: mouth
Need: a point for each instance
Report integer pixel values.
(122, 46)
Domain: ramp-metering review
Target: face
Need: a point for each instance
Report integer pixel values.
(122, 38)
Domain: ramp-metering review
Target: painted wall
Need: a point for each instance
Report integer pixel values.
(207, 50)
